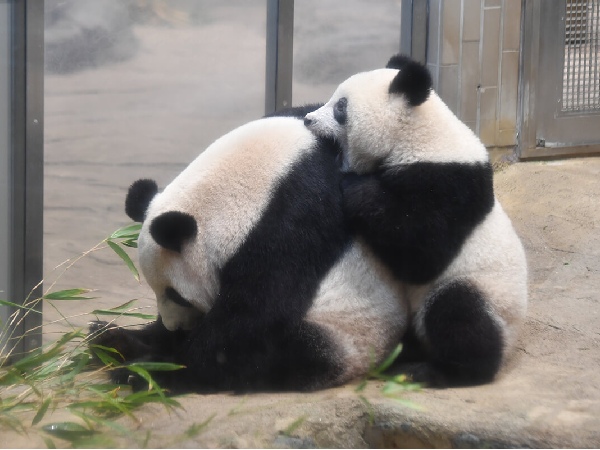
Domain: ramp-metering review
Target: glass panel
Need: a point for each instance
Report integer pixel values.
(338, 38)
(134, 89)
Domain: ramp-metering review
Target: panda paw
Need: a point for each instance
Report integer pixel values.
(126, 377)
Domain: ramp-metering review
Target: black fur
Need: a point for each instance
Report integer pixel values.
(138, 198)
(340, 111)
(153, 341)
(398, 62)
(255, 336)
(413, 80)
(466, 342)
(417, 217)
(176, 298)
(172, 228)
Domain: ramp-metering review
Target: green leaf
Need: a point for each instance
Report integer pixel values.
(294, 426)
(125, 257)
(388, 361)
(49, 442)
(38, 357)
(391, 388)
(69, 294)
(131, 243)
(409, 404)
(41, 412)
(129, 231)
(361, 387)
(196, 428)
(80, 361)
(156, 366)
(16, 305)
(101, 352)
(69, 431)
(108, 312)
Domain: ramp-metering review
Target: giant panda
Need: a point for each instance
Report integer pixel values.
(418, 188)
(259, 284)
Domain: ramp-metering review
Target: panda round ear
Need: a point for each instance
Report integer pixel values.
(398, 62)
(413, 80)
(170, 229)
(138, 198)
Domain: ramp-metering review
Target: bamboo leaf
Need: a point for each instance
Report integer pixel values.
(196, 428)
(69, 294)
(125, 257)
(156, 366)
(131, 243)
(69, 431)
(101, 352)
(129, 231)
(49, 442)
(42, 411)
(409, 404)
(108, 312)
(16, 305)
(388, 361)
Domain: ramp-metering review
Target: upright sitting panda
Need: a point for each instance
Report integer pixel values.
(418, 188)
(258, 282)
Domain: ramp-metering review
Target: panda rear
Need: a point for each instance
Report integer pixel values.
(419, 191)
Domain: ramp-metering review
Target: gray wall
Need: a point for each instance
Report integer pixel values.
(473, 54)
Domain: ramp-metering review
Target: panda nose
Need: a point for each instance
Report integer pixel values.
(307, 122)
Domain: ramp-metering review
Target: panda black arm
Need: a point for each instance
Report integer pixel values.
(417, 217)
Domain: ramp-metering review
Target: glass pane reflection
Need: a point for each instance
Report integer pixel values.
(134, 89)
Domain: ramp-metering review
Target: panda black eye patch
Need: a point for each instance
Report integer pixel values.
(340, 111)
(176, 297)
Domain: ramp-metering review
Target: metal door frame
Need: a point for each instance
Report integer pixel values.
(22, 231)
(539, 114)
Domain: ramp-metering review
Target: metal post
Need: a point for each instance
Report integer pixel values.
(21, 228)
(280, 51)
(414, 29)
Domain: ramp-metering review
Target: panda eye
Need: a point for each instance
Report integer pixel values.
(341, 104)
(339, 111)
(176, 298)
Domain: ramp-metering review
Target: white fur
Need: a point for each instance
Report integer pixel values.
(492, 259)
(226, 189)
(383, 131)
(363, 308)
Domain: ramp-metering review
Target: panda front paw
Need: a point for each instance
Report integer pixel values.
(126, 377)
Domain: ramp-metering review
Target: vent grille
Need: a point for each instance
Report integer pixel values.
(581, 73)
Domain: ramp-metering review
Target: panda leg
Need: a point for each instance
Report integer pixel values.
(243, 356)
(464, 339)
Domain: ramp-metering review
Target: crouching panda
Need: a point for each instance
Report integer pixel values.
(418, 189)
(258, 282)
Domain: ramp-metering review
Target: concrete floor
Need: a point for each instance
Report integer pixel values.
(149, 116)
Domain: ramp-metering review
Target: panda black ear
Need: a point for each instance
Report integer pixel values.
(398, 62)
(413, 80)
(170, 229)
(138, 198)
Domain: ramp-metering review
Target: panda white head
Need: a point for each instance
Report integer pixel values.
(388, 117)
(160, 245)
(193, 229)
